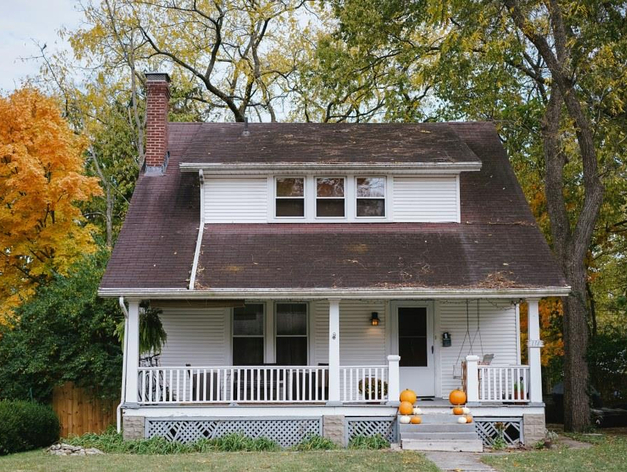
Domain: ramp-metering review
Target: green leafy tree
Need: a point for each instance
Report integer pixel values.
(64, 333)
(552, 76)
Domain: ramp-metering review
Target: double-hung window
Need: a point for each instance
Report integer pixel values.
(330, 201)
(248, 334)
(290, 197)
(291, 333)
(370, 197)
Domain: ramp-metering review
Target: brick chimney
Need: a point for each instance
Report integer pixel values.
(157, 100)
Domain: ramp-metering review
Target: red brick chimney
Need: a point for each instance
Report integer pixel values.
(157, 100)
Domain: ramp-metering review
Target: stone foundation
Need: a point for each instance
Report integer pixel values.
(333, 429)
(133, 427)
(534, 428)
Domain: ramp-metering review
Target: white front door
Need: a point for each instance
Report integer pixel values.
(414, 332)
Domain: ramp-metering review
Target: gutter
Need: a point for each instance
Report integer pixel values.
(326, 293)
(124, 351)
(391, 167)
(201, 228)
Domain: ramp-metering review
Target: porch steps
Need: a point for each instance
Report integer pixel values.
(440, 432)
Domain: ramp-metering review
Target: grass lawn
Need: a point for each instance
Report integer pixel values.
(608, 454)
(380, 461)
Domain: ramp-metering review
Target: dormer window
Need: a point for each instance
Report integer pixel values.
(330, 201)
(370, 197)
(290, 197)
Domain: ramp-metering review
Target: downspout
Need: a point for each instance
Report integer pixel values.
(518, 356)
(201, 227)
(124, 351)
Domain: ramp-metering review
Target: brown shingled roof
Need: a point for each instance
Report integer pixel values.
(497, 245)
(328, 143)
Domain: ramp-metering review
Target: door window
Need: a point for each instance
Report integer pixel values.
(412, 336)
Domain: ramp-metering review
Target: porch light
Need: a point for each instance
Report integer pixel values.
(374, 319)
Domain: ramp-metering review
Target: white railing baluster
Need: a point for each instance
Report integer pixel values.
(259, 384)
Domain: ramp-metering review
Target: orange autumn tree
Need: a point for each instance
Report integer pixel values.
(551, 313)
(42, 230)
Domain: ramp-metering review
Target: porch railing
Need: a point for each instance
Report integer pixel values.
(508, 384)
(260, 384)
(364, 384)
(163, 385)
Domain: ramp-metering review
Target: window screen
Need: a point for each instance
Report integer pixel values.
(291, 333)
(330, 197)
(370, 196)
(248, 334)
(290, 197)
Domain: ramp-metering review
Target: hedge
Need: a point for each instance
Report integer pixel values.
(26, 425)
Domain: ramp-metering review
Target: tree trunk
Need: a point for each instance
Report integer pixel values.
(576, 401)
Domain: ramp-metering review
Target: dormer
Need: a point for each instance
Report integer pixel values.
(329, 173)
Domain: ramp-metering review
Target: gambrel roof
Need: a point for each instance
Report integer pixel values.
(497, 246)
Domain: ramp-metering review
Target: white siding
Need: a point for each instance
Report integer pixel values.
(360, 342)
(497, 336)
(425, 199)
(236, 200)
(196, 336)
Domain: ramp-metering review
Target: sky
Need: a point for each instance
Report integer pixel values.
(24, 22)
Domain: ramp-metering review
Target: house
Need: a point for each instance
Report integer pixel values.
(308, 273)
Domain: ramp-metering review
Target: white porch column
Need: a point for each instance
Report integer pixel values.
(472, 379)
(534, 344)
(334, 352)
(394, 378)
(132, 354)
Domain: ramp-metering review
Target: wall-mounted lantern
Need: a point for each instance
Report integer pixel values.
(374, 319)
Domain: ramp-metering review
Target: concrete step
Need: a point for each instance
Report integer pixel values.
(440, 436)
(437, 428)
(438, 418)
(464, 445)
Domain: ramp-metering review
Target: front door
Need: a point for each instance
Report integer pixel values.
(415, 346)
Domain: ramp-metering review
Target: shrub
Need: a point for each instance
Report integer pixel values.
(26, 425)
(315, 443)
(112, 442)
(369, 442)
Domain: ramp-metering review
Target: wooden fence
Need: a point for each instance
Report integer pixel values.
(80, 412)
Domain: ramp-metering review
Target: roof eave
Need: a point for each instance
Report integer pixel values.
(300, 167)
(341, 293)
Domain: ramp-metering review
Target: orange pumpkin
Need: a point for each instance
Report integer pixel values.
(468, 419)
(408, 396)
(457, 397)
(458, 410)
(406, 408)
(416, 420)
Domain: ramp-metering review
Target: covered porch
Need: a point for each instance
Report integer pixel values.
(338, 335)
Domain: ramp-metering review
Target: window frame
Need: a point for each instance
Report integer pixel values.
(384, 197)
(262, 335)
(277, 197)
(307, 334)
(316, 197)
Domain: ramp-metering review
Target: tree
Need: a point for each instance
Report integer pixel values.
(64, 333)
(232, 56)
(41, 183)
(551, 74)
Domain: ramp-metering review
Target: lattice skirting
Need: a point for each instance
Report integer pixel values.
(286, 432)
(371, 426)
(490, 429)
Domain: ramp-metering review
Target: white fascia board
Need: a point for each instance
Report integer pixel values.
(298, 168)
(344, 294)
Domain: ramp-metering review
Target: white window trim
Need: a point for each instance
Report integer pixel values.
(307, 335)
(385, 198)
(350, 200)
(316, 197)
(276, 197)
